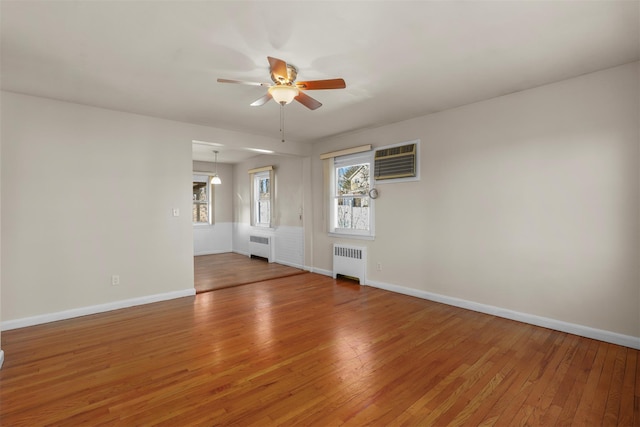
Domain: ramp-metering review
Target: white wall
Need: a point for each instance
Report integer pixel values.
(528, 202)
(287, 228)
(217, 237)
(88, 193)
(1, 351)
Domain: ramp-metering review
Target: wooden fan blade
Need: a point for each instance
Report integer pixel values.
(240, 82)
(261, 101)
(322, 84)
(308, 101)
(278, 68)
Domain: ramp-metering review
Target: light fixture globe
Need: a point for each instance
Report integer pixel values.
(283, 94)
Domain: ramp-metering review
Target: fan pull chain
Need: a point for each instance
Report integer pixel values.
(282, 121)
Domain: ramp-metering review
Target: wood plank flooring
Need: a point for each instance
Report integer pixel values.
(230, 269)
(309, 350)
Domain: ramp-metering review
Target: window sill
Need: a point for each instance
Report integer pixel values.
(352, 236)
(262, 227)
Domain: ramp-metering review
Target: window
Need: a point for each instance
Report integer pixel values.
(202, 196)
(351, 209)
(262, 196)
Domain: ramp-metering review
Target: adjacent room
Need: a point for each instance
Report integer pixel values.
(442, 199)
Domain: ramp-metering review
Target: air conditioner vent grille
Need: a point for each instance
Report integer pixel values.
(393, 151)
(395, 162)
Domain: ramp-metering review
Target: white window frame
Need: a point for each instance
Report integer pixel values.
(340, 162)
(257, 177)
(200, 177)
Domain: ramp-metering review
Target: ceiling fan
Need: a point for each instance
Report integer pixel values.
(285, 88)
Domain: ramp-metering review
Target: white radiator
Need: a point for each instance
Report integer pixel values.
(350, 261)
(261, 246)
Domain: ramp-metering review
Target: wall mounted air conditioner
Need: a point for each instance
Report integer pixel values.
(396, 162)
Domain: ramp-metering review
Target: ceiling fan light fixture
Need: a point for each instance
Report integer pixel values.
(283, 94)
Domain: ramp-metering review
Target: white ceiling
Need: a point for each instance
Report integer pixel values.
(399, 59)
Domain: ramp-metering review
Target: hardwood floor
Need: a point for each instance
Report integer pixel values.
(230, 269)
(309, 350)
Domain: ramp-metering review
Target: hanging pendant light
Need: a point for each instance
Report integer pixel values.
(215, 179)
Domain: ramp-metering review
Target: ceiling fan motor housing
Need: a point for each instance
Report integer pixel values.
(292, 74)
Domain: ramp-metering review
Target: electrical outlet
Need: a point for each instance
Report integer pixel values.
(115, 280)
(175, 212)
(379, 266)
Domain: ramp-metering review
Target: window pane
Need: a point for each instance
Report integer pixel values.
(261, 214)
(264, 213)
(200, 212)
(352, 213)
(352, 180)
(263, 188)
(201, 199)
(204, 214)
(200, 191)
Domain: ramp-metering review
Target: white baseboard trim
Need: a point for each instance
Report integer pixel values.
(1, 358)
(322, 271)
(289, 264)
(277, 261)
(94, 309)
(211, 252)
(545, 322)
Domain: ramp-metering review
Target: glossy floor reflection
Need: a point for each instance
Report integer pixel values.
(231, 269)
(310, 350)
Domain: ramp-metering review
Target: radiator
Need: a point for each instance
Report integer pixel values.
(350, 261)
(261, 246)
